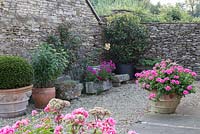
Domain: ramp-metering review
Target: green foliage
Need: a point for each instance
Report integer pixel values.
(48, 64)
(15, 72)
(182, 12)
(149, 62)
(66, 40)
(128, 38)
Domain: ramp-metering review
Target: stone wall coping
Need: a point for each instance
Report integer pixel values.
(151, 23)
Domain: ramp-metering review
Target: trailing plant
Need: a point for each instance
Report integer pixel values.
(128, 38)
(48, 63)
(15, 72)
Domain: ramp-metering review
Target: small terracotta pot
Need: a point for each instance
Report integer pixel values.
(42, 96)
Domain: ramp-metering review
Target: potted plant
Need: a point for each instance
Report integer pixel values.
(98, 78)
(15, 85)
(128, 40)
(48, 64)
(146, 63)
(167, 83)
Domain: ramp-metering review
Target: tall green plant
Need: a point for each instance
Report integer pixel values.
(66, 40)
(48, 64)
(128, 38)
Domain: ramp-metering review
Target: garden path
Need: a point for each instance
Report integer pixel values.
(129, 106)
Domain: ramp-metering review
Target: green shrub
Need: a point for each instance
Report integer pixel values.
(48, 64)
(128, 38)
(15, 72)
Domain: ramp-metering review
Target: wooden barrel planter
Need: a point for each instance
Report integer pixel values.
(13, 102)
(167, 104)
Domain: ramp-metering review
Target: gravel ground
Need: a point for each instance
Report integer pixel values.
(127, 103)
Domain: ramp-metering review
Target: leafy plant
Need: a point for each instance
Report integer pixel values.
(149, 61)
(15, 72)
(66, 40)
(128, 38)
(48, 64)
(167, 78)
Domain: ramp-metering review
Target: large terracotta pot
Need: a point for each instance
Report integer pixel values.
(13, 102)
(42, 96)
(167, 104)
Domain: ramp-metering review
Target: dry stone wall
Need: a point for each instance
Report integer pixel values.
(26, 23)
(178, 41)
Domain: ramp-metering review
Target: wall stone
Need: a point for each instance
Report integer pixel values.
(177, 41)
(26, 23)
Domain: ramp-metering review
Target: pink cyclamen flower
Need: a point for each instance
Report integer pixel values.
(152, 95)
(168, 88)
(132, 132)
(189, 87)
(185, 92)
(34, 112)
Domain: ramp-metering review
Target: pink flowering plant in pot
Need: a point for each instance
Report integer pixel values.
(167, 81)
(52, 121)
(100, 73)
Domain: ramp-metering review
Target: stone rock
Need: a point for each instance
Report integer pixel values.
(96, 87)
(68, 90)
(63, 78)
(121, 78)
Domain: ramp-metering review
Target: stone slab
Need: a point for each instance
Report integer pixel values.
(159, 129)
(121, 78)
(168, 124)
(175, 120)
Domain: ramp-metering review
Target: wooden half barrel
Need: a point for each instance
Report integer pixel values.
(166, 104)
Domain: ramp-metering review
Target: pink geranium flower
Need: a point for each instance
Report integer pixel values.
(168, 88)
(185, 92)
(189, 87)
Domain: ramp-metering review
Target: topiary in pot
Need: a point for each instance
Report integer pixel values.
(15, 85)
(48, 63)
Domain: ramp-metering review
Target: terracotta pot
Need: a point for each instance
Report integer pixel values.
(42, 96)
(167, 104)
(13, 102)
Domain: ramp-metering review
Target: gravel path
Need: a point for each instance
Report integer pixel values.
(127, 103)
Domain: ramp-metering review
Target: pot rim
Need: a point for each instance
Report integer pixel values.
(16, 90)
